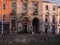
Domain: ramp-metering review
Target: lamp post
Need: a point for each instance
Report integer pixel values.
(2, 17)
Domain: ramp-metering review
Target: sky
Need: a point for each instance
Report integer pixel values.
(56, 1)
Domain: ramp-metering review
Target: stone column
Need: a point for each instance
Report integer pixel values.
(19, 27)
(10, 31)
(10, 27)
(30, 28)
(50, 28)
(56, 24)
(43, 26)
(40, 26)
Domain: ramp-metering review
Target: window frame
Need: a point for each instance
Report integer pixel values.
(35, 8)
(13, 7)
(4, 18)
(25, 7)
(47, 7)
(4, 6)
(54, 8)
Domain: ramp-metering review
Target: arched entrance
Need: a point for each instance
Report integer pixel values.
(25, 24)
(35, 24)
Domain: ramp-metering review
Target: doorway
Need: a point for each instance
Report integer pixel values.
(25, 24)
(35, 24)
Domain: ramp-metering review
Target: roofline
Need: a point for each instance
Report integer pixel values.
(49, 2)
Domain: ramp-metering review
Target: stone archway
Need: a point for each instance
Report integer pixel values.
(35, 24)
(25, 24)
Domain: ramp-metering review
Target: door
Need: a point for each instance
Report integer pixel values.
(35, 24)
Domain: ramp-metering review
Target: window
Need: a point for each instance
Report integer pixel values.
(13, 7)
(35, 8)
(24, 7)
(13, 22)
(4, 17)
(53, 29)
(4, 6)
(53, 8)
(53, 19)
(46, 29)
(46, 7)
(47, 13)
(47, 17)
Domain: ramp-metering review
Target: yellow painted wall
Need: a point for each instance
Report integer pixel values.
(58, 18)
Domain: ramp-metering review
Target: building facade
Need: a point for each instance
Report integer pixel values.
(29, 16)
(58, 21)
(49, 17)
(26, 16)
(6, 15)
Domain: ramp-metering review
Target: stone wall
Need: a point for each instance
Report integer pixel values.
(28, 38)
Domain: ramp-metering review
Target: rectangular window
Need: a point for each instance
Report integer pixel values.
(4, 6)
(53, 19)
(24, 7)
(46, 18)
(53, 29)
(35, 8)
(46, 29)
(4, 17)
(14, 7)
(53, 8)
(13, 22)
(47, 7)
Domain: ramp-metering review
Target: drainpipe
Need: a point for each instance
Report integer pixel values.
(2, 17)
